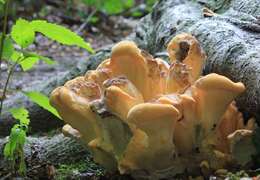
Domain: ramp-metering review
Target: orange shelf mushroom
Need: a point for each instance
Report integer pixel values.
(145, 117)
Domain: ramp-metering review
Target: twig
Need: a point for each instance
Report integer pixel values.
(82, 26)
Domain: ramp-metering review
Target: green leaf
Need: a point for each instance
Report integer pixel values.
(31, 58)
(7, 150)
(21, 114)
(23, 33)
(137, 14)
(113, 6)
(89, 2)
(110, 6)
(94, 19)
(129, 3)
(150, 2)
(45, 59)
(16, 137)
(42, 101)
(94, 3)
(2, 1)
(21, 137)
(28, 63)
(13, 149)
(16, 56)
(60, 34)
(8, 48)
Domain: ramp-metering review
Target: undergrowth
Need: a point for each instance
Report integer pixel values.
(86, 166)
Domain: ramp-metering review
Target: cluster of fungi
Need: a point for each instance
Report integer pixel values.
(145, 117)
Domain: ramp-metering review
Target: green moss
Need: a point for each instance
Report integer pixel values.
(237, 176)
(72, 171)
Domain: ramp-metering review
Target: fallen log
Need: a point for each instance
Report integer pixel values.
(45, 155)
(42, 152)
(229, 32)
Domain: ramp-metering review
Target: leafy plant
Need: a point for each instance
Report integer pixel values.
(42, 101)
(114, 7)
(110, 7)
(13, 150)
(13, 50)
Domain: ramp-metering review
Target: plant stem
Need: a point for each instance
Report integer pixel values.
(10, 73)
(6, 9)
(86, 21)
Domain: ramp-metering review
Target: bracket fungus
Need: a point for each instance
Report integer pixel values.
(145, 117)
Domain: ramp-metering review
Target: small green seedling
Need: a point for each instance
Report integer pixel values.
(13, 50)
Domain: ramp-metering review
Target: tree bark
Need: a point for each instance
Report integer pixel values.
(230, 38)
(40, 153)
(43, 155)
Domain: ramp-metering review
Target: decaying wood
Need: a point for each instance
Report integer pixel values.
(228, 31)
(41, 153)
(230, 37)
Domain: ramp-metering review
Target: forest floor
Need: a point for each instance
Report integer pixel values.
(110, 30)
(99, 35)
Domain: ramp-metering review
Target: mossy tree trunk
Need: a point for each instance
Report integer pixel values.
(230, 37)
(44, 152)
